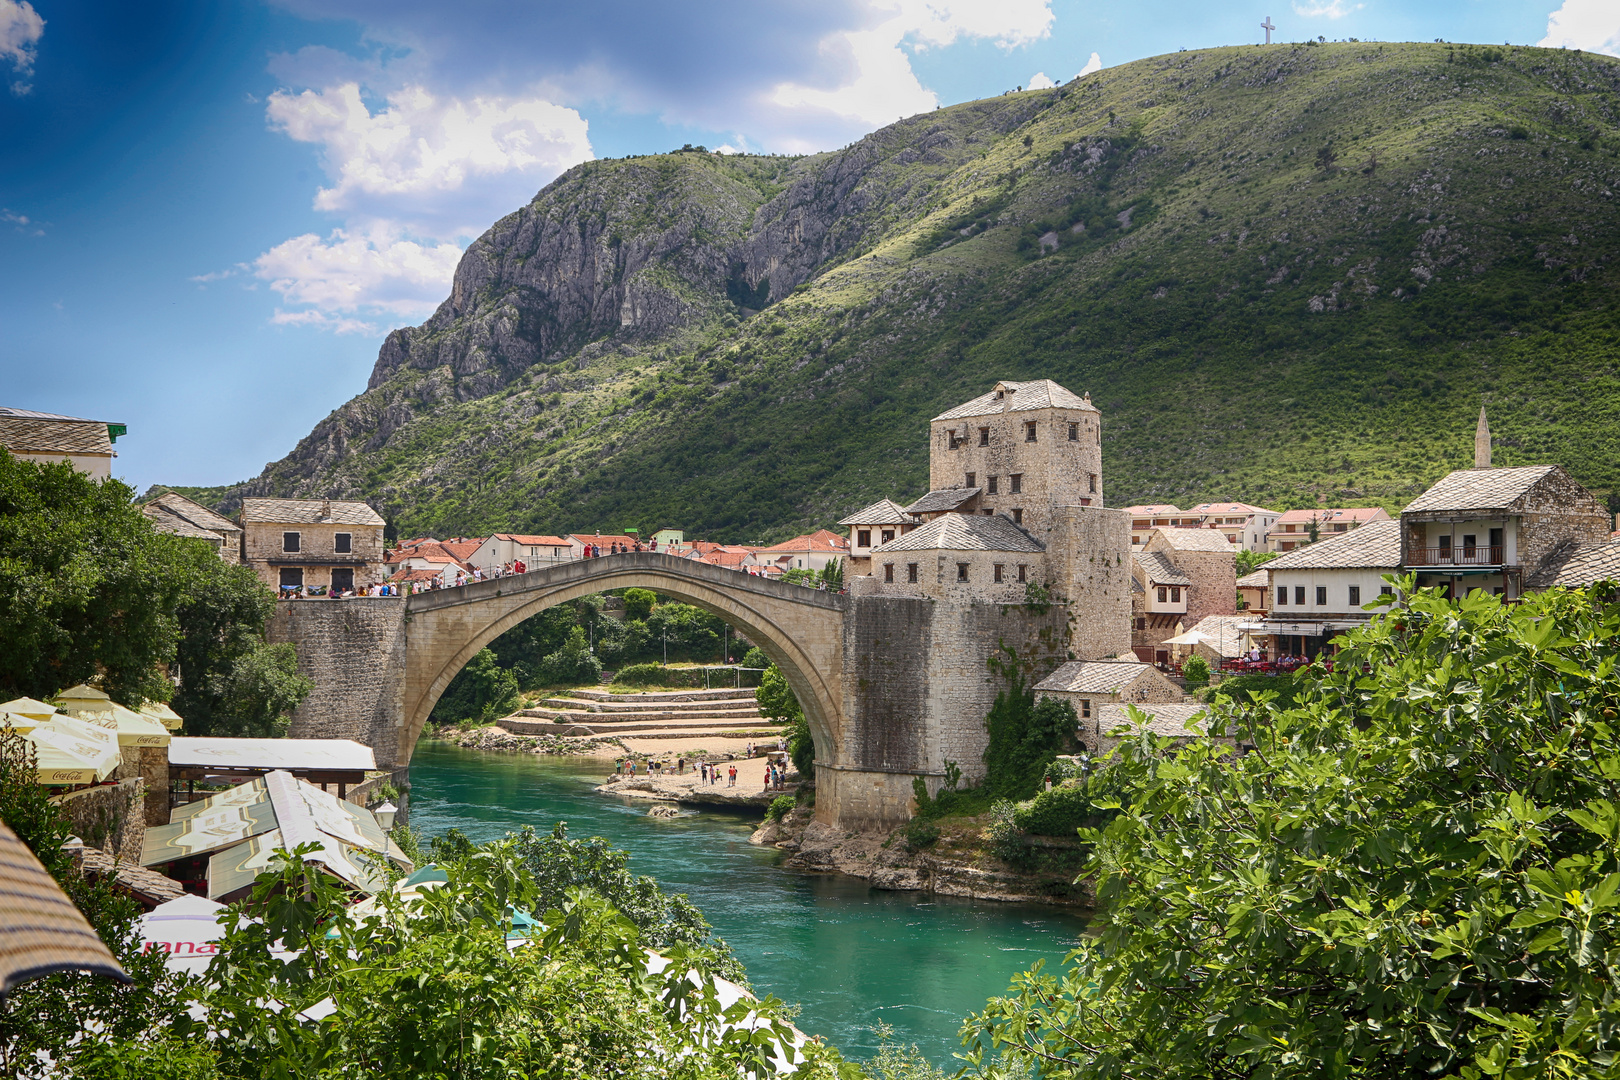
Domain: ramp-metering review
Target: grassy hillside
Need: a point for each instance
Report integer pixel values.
(1284, 274)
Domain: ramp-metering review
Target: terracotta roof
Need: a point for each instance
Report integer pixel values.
(822, 540)
(415, 575)
(1166, 720)
(1195, 539)
(26, 435)
(1019, 397)
(1159, 570)
(727, 558)
(964, 532)
(944, 499)
(1151, 509)
(1257, 580)
(604, 540)
(308, 512)
(1092, 676)
(1483, 490)
(461, 550)
(1230, 508)
(1375, 544)
(533, 541)
(1577, 565)
(196, 513)
(1331, 515)
(882, 512)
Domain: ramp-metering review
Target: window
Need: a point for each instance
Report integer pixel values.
(1015, 483)
(1074, 432)
(1018, 515)
(1085, 708)
(1029, 431)
(1321, 596)
(984, 436)
(1175, 594)
(1299, 594)
(1341, 527)
(1497, 554)
(343, 579)
(888, 572)
(1384, 595)
(955, 440)
(1355, 596)
(911, 572)
(289, 542)
(961, 571)
(343, 543)
(988, 512)
(990, 484)
(1023, 572)
(888, 534)
(1282, 594)
(1141, 624)
(1470, 547)
(1093, 483)
(972, 479)
(863, 538)
(1162, 593)
(998, 573)
(1444, 544)
(292, 576)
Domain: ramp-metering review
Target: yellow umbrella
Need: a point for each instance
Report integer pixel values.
(37, 711)
(136, 730)
(67, 756)
(85, 702)
(18, 722)
(159, 711)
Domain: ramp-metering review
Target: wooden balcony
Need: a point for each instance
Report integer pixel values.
(1456, 555)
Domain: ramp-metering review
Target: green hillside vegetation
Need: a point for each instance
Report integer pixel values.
(1285, 275)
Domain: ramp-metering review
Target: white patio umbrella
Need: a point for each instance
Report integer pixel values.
(72, 751)
(1192, 637)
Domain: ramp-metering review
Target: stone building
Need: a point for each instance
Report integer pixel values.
(1182, 576)
(87, 445)
(873, 526)
(1088, 685)
(1321, 590)
(1181, 723)
(314, 544)
(959, 557)
(173, 513)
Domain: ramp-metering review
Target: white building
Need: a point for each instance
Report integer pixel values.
(1322, 589)
(1244, 525)
(87, 445)
(499, 549)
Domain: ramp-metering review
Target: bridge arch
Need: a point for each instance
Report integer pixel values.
(800, 629)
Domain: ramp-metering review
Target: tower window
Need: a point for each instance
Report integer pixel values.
(984, 436)
(1015, 483)
(1029, 431)
(971, 477)
(1018, 516)
(1093, 482)
(998, 573)
(888, 572)
(990, 484)
(1085, 708)
(1023, 572)
(911, 572)
(961, 571)
(1074, 432)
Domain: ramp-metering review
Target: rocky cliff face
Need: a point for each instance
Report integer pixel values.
(1285, 275)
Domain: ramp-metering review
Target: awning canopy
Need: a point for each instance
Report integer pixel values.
(41, 932)
(1191, 637)
(37, 711)
(321, 761)
(160, 711)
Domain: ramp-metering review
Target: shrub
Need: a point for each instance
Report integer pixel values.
(657, 675)
(921, 833)
(1006, 843)
(573, 663)
(1025, 737)
(1240, 689)
(638, 603)
(1059, 812)
(781, 807)
(1195, 672)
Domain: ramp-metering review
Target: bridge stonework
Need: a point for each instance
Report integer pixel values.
(892, 687)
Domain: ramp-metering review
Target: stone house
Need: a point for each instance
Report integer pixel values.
(1180, 722)
(313, 543)
(1487, 528)
(958, 557)
(177, 515)
(1184, 576)
(534, 551)
(1244, 525)
(873, 526)
(1293, 529)
(1321, 589)
(1088, 685)
(1023, 450)
(810, 552)
(87, 445)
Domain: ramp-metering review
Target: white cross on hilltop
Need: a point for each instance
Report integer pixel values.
(1268, 28)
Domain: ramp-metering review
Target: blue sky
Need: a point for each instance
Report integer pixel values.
(212, 213)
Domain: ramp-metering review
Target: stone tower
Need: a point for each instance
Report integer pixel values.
(1482, 442)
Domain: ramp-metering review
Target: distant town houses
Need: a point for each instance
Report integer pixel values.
(1243, 525)
(1297, 528)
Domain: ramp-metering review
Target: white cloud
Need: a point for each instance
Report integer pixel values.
(379, 271)
(20, 31)
(409, 181)
(1039, 81)
(1325, 9)
(21, 222)
(878, 85)
(1593, 25)
(1092, 65)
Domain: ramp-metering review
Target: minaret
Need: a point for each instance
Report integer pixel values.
(1482, 442)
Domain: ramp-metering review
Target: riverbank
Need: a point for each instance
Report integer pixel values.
(689, 787)
(958, 863)
(498, 740)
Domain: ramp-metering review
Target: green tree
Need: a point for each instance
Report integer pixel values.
(832, 575)
(573, 663)
(638, 603)
(1025, 736)
(255, 696)
(1195, 671)
(1250, 561)
(481, 692)
(1414, 874)
(222, 615)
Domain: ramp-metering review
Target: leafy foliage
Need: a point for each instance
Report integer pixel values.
(1058, 812)
(1195, 670)
(1413, 874)
(1247, 562)
(573, 663)
(1025, 736)
(482, 692)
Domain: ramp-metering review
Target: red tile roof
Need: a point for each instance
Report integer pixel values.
(533, 541)
(822, 540)
(725, 557)
(602, 540)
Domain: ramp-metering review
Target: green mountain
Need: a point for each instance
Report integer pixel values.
(1284, 274)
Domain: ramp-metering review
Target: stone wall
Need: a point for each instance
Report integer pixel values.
(1089, 562)
(354, 652)
(108, 817)
(937, 575)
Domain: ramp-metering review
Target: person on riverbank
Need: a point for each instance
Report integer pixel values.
(733, 779)
(680, 766)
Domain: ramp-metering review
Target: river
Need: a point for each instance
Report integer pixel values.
(850, 955)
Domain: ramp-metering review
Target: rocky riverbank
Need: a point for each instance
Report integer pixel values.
(750, 792)
(958, 863)
(500, 741)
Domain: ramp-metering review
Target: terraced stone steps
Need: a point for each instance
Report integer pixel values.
(672, 714)
(519, 725)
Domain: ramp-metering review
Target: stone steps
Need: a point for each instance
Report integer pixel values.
(587, 716)
(662, 696)
(610, 710)
(519, 725)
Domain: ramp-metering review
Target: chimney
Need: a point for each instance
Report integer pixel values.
(1482, 442)
(326, 509)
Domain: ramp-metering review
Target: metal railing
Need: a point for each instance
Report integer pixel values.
(1457, 555)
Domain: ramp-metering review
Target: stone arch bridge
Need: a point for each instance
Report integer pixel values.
(892, 687)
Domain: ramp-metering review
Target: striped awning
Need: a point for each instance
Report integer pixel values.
(41, 932)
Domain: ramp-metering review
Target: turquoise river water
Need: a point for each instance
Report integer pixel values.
(850, 955)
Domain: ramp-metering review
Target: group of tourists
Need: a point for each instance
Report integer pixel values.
(711, 773)
(321, 592)
(594, 551)
(775, 775)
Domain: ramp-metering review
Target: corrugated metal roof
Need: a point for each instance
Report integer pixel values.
(1019, 397)
(1375, 544)
(1482, 490)
(964, 532)
(308, 512)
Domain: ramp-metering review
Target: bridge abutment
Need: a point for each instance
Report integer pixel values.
(354, 652)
